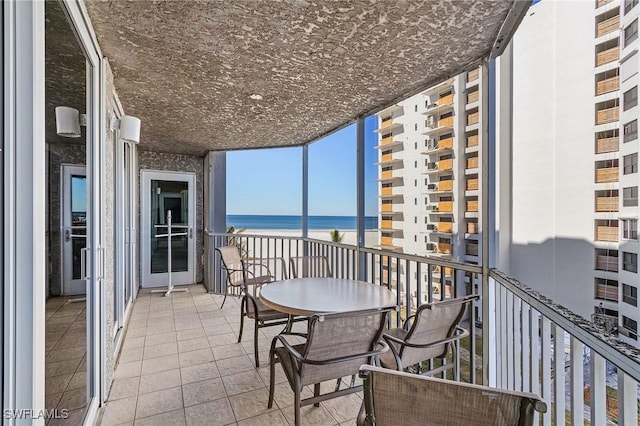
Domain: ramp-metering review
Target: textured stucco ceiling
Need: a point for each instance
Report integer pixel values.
(188, 68)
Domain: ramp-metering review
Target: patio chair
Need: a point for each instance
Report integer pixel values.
(428, 334)
(399, 398)
(243, 274)
(309, 266)
(337, 344)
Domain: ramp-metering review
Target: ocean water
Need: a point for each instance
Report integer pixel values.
(295, 222)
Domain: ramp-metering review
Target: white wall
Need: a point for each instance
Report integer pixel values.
(553, 153)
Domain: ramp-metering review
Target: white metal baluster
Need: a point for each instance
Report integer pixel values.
(559, 376)
(510, 342)
(577, 382)
(534, 327)
(546, 368)
(504, 353)
(517, 343)
(598, 383)
(627, 399)
(527, 347)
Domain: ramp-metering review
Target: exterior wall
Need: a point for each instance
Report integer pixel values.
(58, 154)
(552, 240)
(178, 163)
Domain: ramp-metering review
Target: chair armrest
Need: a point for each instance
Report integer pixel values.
(407, 323)
(461, 333)
(287, 346)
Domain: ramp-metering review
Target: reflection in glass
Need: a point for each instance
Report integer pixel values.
(78, 220)
(169, 196)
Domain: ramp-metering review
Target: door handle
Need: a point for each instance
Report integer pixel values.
(190, 233)
(67, 235)
(83, 263)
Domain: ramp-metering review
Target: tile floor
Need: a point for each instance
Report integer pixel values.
(180, 365)
(65, 360)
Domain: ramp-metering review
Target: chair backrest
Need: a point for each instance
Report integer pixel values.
(232, 263)
(398, 398)
(433, 322)
(309, 266)
(339, 335)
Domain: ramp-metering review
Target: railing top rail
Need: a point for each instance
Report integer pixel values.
(433, 260)
(623, 355)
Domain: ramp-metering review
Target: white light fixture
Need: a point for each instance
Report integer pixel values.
(255, 96)
(129, 128)
(68, 121)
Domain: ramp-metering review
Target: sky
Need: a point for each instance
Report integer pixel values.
(269, 181)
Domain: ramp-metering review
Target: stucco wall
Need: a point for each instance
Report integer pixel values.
(150, 160)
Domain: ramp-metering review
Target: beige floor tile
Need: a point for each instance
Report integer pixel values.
(79, 380)
(123, 388)
(160, 380)
(130, 355)
(193, 344)
(222, 328)
(57, 368)
(265, 373)
(163, 349)
(172, 418)
(228, 351)
(283, 395)
(163, 401)
(190, 334)
(344, 408)
(310, 415)
(185, 318)
(127, 369)
(234, 365)
(119, 411)
(65, 354)
(160, 329)
(182, 326)
(199, 356)
(73, 399)
(158, 339)
(163, 363)
(134, 342)
(242, 382)
(51, 400)
(212, 413)
(199, 392)
(57, 384)
(274, 418)
(74, 418)
(250, 404)
(222, 339)
(199, 372)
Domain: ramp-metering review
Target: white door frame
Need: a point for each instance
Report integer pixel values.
(177, 278)
(69, 286)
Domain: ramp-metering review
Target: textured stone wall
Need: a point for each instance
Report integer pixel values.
(150, 160)
(58, 154)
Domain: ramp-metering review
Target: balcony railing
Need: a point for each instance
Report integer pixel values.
(472, 140)
(604, 145)
(607, 174)
(601, 3)
(472, 163)
(607, 263)
(607, 56)
(473, 118)
(607, 233)
(530, 344)
(472, 184)
(605, 27)
(473, 97)
(473, 75)
(607, 204)
(608, 85)
(608, 115)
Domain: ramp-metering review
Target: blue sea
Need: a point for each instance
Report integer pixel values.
(295, 222)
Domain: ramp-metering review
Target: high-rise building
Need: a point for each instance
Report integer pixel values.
(573, 80)
(429, 175)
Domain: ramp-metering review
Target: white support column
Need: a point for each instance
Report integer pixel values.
(215, 214)
(559, 376)
(360, 214)
(24, 259)
(305, 194)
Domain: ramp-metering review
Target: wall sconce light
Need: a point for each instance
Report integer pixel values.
(68, 122)
(129, 128)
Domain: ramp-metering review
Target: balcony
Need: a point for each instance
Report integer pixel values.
(445, 206)
(472, 227)
(607, 233)
(609, 85)
(438, 88)
(473, 75)
(607, 263)
(607, 56)
(389, 142)
(607, 174)
(473, 118)
(473, 97)
(606, 292)
(607, 204)
(471, 249)
(471, 206)
(607, 26)
(472, 184)
(472, 163)
(608, 115)
(530, 343)
(601, 3)
(472, 140)
(604, 145)
(436, 146)
(445, 227)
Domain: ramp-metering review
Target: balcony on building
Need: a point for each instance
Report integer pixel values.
(473, 96)
(389, 160)
(473, 139)
(607, 231)
(607, 82)
(471, 184)
(442, 186)
(439, 88)
(439, 145)
(440, 166)
(438, 126)
(606, 290)
(606, 260)
(607, 171)
(607, 53)
(607, 141)
(473, 77)
(607, 23)
(602, 3)
(443, 104)
(607, 201)
(473, 117)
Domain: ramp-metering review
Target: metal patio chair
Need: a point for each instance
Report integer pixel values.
(337, 345)
(309, 266)
(428, 334)
(399, 398)
(249, 277)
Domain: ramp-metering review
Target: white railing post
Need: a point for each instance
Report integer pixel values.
(627, 399)
(577, 382)
(598, 387)
(559, 376)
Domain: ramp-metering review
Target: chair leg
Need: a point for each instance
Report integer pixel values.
(225, 298)
(242, 304)
(316, 392)
(255, 342)
(338, 383)
(296, 407)
(272, 378)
